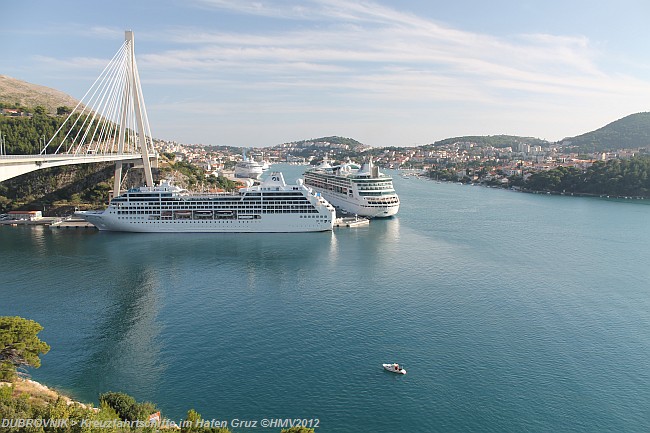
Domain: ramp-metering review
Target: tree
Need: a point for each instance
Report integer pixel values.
(193, 423)
(63, 110)
(19, 345)
(126, 406)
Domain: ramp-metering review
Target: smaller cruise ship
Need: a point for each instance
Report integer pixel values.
(248, 168)
(360, 190)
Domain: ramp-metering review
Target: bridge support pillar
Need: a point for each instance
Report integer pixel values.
(117, 181)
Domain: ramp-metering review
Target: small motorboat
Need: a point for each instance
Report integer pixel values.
(394, 368)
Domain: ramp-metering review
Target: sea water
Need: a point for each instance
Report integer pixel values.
(511, 312)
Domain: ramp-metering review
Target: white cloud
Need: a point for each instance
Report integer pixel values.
(365, 39)
(336, 56)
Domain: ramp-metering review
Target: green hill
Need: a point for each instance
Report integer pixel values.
(630, 132)
(490, 140)
(354, 144)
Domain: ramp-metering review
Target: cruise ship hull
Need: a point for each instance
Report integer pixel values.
(354, 206)
(266, 224)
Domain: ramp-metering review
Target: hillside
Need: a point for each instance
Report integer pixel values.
(491, 140)
(13, 91)
(354, 144)
(630, 132)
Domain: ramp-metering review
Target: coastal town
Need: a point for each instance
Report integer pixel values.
(462, 160)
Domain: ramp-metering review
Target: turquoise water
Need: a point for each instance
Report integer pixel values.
(511, 312)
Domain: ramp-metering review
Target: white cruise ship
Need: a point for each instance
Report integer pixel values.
(248, 168)
(272, 206)
(363, 191)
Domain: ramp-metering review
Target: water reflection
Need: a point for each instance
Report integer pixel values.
(125, 338)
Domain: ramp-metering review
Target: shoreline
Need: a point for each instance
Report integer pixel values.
(531, 191)
(40, 392)
(37, 394)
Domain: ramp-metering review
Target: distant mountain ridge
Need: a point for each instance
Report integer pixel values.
(629, 132)
(14, 91)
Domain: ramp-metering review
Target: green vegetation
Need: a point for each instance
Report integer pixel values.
(194, 177)
(622, 178)
(195, 424)
(630, 132)
(615, 178)
(126, 407)
(490, 140)
(20, 346)
(334, 140)
(27, 135)
(193, 174)
(17, 405)
(444, 174)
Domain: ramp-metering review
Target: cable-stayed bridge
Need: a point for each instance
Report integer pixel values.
(109, 124)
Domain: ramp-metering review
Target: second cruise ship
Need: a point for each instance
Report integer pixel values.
(361, 190)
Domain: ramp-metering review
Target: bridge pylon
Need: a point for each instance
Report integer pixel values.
(108, 124)
(133, 92)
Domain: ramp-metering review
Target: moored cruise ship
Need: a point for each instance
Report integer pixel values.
(272, 206)
(248, 168)
(363, 191)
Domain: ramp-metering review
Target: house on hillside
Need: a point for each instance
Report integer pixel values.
(12, 112)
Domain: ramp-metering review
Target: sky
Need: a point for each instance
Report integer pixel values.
(385, 72)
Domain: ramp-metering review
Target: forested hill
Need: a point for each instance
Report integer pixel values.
(333, 140)
(630, 132)
(490, 140)
(615, 178)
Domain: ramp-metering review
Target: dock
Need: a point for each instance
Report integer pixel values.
(351, 222)
(72, 223)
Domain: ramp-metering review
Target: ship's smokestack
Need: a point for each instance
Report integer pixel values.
(374, 170)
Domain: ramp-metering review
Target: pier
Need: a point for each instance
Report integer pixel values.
(72, 223)
(351, 222)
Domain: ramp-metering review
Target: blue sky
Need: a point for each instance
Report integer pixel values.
(387, 73)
